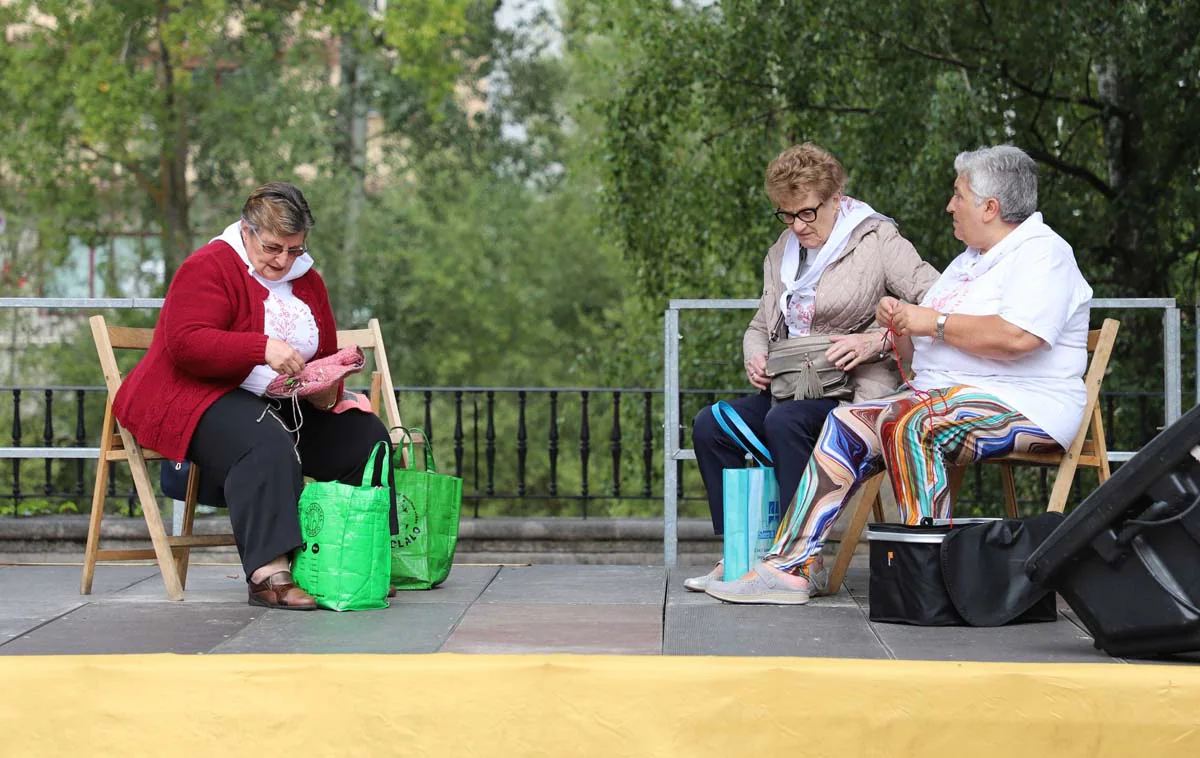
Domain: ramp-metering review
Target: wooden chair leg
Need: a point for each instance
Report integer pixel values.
(98, 496)
(1010, 490)
(1100, 444)
(955, 476)
(1062, 484)
(862, 504)
(154, 523)
(93, 538)
(184, 553)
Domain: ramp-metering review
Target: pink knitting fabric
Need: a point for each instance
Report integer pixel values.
(319, 375)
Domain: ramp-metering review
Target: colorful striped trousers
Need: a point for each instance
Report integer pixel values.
(915, 435)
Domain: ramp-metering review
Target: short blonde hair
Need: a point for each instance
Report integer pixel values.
(278, 208)
(802, 169)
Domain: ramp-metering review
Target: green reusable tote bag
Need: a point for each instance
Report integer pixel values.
(427, 504)
(345, 561)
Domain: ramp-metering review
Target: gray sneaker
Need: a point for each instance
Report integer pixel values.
(700, 583)
(765, 589)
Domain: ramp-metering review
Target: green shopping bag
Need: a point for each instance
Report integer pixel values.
(345, 562)
(428, 505)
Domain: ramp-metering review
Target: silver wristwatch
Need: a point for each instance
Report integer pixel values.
(941, 327)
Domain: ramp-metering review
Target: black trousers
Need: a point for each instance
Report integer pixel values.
(789, 430)
(263, 465)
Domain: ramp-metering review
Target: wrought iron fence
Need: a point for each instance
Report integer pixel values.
(520, 450)
(581, 452)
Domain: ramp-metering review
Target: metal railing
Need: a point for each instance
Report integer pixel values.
(674, 453)
(562, 451)
(572, 449)
(598, 443)
(520, 450)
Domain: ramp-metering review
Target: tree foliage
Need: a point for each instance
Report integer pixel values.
(473, 246)
(1103, 95)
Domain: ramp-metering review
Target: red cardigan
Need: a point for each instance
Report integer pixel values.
(208, 338)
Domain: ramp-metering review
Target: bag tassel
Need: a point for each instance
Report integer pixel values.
(809, 383)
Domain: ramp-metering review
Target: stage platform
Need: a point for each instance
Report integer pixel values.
(528, 660)
(601, 610)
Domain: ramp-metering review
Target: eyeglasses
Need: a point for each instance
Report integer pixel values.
(787, 218)
(273, 250)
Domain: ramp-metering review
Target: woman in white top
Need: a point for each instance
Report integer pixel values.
(998, 346)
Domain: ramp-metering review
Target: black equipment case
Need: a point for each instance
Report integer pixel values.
(1127, 559)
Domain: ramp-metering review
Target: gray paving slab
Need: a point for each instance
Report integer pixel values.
(608, 628)
(1058, 642)
(404, 627)
(20, 616)
(716, 628)
(531, 609)
(855, 581)
(601, 585)
(103, 628)
(205, 584)
(48, 582)
(677, 594)
(464, 585)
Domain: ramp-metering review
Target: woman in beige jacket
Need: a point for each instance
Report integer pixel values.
(824, 275)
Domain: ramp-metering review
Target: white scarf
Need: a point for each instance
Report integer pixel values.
(232, 236)
(950, 288)
(851, 213)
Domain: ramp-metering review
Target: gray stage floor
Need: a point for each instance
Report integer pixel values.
(627, 610)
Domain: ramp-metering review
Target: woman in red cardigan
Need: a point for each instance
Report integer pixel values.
(241, 310)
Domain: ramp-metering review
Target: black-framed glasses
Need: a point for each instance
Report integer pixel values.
(273, 250)
(787, 218)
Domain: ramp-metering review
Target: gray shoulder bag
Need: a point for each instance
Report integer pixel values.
(799, 370)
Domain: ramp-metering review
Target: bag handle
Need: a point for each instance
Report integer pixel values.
(430, 463)
(746, 439)
(370, 469)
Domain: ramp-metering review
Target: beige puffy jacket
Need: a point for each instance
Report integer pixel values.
(877, 262)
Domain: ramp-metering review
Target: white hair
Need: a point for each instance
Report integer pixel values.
(1004, 172)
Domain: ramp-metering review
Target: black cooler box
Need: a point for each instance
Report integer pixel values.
(1127, 559)
(960, 572)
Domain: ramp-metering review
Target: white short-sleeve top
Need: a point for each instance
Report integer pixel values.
(1030, 279)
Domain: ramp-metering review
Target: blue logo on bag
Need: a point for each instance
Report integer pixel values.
(767, 528)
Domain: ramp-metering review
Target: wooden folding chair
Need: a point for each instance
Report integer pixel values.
(382, 392)
(1087, 450)
(172, 553)
(117, 444)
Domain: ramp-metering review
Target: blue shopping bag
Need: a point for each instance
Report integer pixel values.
(751, 498)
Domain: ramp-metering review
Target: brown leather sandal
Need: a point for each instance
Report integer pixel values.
(279, 590)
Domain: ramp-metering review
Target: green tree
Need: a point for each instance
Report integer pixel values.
(111, 105)
(1103, 95)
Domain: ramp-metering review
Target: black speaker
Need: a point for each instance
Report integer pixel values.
(1127, 559)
